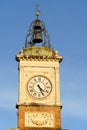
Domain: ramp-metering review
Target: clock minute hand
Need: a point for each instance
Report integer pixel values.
(41, 90)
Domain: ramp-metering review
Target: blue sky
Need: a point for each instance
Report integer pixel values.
(66, 22)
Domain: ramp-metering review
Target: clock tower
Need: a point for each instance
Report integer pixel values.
(38, 105)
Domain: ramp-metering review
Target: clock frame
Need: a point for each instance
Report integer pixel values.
(39, 87)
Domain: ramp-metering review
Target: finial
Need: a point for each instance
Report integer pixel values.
(37, 11)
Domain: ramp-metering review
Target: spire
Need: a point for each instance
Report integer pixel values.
(37, 34)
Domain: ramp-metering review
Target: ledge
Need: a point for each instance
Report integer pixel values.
(38, 58)
(36, 105)
(36, 129)
(39, 54)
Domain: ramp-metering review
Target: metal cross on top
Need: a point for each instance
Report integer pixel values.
(36, 6)
(37, 11)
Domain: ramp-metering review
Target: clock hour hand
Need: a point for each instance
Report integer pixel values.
(41, 90)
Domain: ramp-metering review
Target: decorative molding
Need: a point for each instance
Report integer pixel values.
(38, 58)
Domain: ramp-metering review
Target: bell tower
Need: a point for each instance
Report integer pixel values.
(38, 105)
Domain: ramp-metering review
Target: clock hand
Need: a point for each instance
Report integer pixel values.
(41, 90)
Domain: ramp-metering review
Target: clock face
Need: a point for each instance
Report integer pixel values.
(39, 87)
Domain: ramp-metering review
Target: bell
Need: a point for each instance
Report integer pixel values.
(37, 38)
(37, 24)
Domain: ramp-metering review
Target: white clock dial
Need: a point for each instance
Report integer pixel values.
(39, 87)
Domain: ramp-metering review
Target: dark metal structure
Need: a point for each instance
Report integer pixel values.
(37, 34)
